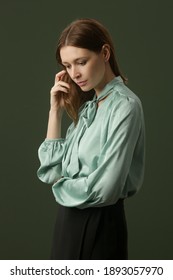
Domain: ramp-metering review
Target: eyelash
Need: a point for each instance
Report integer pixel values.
(79, 63)
(82, 63)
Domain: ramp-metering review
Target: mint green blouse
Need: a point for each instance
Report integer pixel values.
(102, 158)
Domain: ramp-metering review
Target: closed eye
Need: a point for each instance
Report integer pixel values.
(67, 66)
(82, 63)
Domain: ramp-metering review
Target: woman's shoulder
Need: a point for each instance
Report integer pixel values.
(124, 100)
(123, 92)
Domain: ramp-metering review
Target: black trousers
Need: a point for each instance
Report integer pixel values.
(97, 233)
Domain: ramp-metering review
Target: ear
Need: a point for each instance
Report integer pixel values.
(106, 52)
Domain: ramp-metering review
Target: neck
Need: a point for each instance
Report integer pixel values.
(109, 76)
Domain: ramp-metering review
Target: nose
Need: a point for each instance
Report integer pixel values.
(75, 73)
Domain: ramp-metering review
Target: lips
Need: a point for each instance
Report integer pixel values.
(82, 83)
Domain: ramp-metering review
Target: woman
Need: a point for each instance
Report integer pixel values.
(101, 160)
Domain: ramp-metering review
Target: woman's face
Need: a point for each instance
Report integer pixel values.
(86, 68)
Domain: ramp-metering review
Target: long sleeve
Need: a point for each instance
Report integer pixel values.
(50, 155)
(120, 167)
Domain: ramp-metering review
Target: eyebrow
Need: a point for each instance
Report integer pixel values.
(75, 60)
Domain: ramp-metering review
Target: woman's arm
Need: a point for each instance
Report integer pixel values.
(51, 150)
(56, 106)
(54, 124)
(50, 154)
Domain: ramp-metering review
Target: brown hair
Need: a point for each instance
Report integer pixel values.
(88, 34)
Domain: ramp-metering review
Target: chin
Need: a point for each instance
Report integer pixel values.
(86, 89)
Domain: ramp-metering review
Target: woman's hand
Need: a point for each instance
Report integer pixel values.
(57, 91)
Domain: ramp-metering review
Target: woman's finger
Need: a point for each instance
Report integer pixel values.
(59, 87)
(59, 75)
(63, 84)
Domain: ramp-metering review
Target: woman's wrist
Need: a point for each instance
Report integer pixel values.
(54, 124)
(56, 112)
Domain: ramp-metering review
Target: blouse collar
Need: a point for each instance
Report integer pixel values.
(108, 88)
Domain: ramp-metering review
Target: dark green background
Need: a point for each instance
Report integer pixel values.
(142, 32)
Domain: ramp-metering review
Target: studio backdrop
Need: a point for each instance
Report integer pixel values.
(29, 30)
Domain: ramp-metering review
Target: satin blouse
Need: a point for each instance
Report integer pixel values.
(102, 158)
